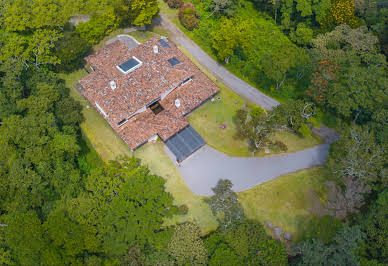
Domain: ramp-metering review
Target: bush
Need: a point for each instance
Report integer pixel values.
(304, 130)
(174, 3)
(322, 228)
(188, 16)
(183, 209)
(278, 146)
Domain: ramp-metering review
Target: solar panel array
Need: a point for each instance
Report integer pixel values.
(174, 61)
(163, 43)
(129, 64)
(184, 143)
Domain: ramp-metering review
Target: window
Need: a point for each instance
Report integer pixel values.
(129, 65)
(174, 61)
(163, 43)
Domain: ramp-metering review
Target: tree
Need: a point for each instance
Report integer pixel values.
(231, 33)
(227, 7)
(186, 245)
(374, 224)
(24, 236)
(340, 12)
(302, 35)
(224, 255)
(135, 12)
(130, 206)
(70, 50)
(341, 252)
(271, 252)
(357, 155)
(224, 204)
(41, 47)
(98, 26)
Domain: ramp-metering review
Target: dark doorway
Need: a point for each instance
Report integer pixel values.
(156, 107)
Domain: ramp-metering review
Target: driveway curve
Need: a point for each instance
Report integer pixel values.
(202, 170)
(237, 85)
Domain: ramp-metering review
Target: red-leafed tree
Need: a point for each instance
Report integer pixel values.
(325, 72)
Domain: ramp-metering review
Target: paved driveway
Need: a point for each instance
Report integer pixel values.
(237, 85)
(205, 167)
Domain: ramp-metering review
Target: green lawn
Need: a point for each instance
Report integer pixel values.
(285, 201)
(142, 36)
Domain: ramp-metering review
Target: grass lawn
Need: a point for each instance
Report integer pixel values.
(142, 36)
(284, 201)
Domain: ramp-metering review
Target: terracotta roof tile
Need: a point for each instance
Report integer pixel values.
(153, 79)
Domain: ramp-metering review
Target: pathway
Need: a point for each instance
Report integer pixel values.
(237, 85)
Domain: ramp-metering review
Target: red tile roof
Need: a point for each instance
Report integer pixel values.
(137, 89)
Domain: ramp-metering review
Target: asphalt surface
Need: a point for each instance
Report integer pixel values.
(202, 170)
(237, 85)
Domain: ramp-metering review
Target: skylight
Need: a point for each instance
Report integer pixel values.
(174, 61)
(163, 43)
(129, 65)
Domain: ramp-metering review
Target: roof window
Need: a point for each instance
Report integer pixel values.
(174, 61)
(129, 65)
(164, 43)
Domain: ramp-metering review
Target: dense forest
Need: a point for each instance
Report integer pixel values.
(62, 205)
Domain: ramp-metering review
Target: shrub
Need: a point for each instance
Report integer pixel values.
(188, 16)
(174, 3)
(183, 209)
(278, 146)
(304, 130)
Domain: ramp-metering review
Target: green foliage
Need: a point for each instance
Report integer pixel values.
(189, 16)
(24, 236)
(231, 34)
(245, 243)
(224, 204)
(302, 35)
(98, 26)
(174, 3)
(186, 245)
(135, 12)
(322, 228)
(271, 252)
(343, 250)
(245, 238)
(304, 130)
(71, 50)
(358, 155)
(374, 224)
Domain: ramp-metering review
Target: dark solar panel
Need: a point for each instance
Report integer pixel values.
(127, 65)
(184, 143)
(173, 61)
(163, 43)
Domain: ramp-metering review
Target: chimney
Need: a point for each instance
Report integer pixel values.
(112, 85)
(156, 49)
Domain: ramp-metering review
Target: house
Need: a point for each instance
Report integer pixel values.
(146, 91)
